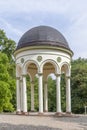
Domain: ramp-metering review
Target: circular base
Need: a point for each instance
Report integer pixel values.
(58, 114)
(18, 112)
(40, 114)
(32, 111)
(22, 113)
(45, 110)
(69, 113)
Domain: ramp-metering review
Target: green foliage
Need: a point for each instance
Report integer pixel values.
(7, 46)
(3, 58)
(35, 93)
(6, 83)
(79, 85)
(12, 84)
(36, 99)
(28, 92)
(7, 73)
(51, 94)
(63, 93)
(5, 97)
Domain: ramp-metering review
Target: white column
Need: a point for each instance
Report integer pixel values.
(58, 93)
(24, 95)
(45, 97)
(32, 96)
(68, 95)
(18, 94)
(21, 89)
(40, 93)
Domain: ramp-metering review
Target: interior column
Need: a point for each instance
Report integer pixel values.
(18, 94)
(21, 90)
(45, 97)
(24, 95)
(58, 93)
(40, 76)
(68, 95)
(32, 96)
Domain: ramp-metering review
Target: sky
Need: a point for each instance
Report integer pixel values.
(67, 16)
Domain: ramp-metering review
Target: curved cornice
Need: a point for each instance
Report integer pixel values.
(70, 52)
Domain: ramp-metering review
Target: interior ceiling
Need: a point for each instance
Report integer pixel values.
(63, 69)
(47, 66)
(32, 66)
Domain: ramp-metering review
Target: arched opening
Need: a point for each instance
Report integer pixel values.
(64, 73)
(32, 87)
(51, 92)
(49, 87)
(32, 94)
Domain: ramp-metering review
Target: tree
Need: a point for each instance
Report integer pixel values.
(7, 46)
(36, 98)
(51, 94)
(79, 85)
(5, 93)
(7, 66)
(5, 97)
(63, 92)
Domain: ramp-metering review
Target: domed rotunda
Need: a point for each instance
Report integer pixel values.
(42, 51)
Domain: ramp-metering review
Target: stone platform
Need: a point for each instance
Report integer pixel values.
(11, 121)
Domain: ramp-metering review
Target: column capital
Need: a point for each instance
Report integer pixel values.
(21, 80)
(32, 82)
(40, 74)
(23, 75)
(57, 75)
(68, 77)
(45, 82)
(17, 78)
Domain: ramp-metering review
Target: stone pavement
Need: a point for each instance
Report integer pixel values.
(32, 122)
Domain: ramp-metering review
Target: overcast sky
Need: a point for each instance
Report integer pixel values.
(67, 16)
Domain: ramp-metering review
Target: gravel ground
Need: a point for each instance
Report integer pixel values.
(19, 122)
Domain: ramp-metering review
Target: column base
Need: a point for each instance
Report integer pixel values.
(69, 114)
(18, 112)
(45, 110)
(24, 113)
(40, 114)
(32, 111)
(58, 114)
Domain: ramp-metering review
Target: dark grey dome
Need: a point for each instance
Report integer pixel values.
(43, 35)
